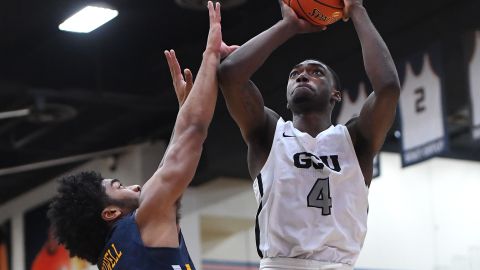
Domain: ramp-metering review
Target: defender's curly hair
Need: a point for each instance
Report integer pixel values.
(75, 214)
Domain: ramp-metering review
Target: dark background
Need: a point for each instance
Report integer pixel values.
(36, 232)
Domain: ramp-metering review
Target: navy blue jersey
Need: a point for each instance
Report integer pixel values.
(124, 250)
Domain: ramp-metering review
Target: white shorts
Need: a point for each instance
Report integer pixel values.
(300, 264)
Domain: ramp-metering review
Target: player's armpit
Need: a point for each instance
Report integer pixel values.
(376, 118)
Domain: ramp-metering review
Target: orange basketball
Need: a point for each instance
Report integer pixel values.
(318, 12)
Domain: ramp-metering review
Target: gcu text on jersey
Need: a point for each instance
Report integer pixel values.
(306, 160)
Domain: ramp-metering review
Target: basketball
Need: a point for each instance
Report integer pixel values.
(318, 12)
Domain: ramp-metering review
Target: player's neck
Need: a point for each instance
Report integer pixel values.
(312, 123)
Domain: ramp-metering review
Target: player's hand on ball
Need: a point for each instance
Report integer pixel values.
(301, 25)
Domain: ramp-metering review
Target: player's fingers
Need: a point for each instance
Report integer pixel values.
(211, 12)
(282, 7)
(218, 13)
(169, 62)
(188, 78)
(176, 66)
(231, 49)
(189, 82)
(167, 56)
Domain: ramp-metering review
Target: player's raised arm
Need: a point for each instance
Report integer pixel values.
(378, 112)
(182, 83)
(163, 189)
(243, 98)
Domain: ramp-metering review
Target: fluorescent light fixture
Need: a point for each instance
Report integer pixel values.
(88, 19)
(12, 114)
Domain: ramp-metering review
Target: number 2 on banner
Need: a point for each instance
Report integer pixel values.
(319, 196)
(419, 103)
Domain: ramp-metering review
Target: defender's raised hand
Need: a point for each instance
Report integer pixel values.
(214, 41)
(181, 82)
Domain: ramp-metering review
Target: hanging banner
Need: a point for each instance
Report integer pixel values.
(421, 112)
(474, 76)
(351, 108)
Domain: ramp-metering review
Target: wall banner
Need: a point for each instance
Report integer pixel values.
(474, 79)
(421, 110)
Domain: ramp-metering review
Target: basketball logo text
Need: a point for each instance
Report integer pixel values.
(315, 13)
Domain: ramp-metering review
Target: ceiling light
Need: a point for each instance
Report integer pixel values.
(12, 114)
(88, 19)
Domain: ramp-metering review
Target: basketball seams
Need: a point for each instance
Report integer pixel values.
(327, 5)
(306, 16)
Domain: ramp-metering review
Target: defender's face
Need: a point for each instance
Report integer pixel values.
(127, 196)
(309, 81)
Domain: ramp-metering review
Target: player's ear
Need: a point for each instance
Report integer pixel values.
(336, 95)
(111, 213)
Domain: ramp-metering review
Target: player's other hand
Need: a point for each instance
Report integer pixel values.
(350, 5)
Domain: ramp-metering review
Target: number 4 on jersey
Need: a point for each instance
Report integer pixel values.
(319, 196)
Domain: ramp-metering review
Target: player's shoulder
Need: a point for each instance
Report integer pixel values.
(126, 222)
(272, 115)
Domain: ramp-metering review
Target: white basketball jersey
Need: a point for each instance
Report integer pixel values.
(312, 197)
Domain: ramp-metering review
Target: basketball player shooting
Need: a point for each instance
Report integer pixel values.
(118, 227)
(311, 178)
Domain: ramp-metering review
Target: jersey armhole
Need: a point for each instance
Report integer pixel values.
(280, 121)
(354, 153)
